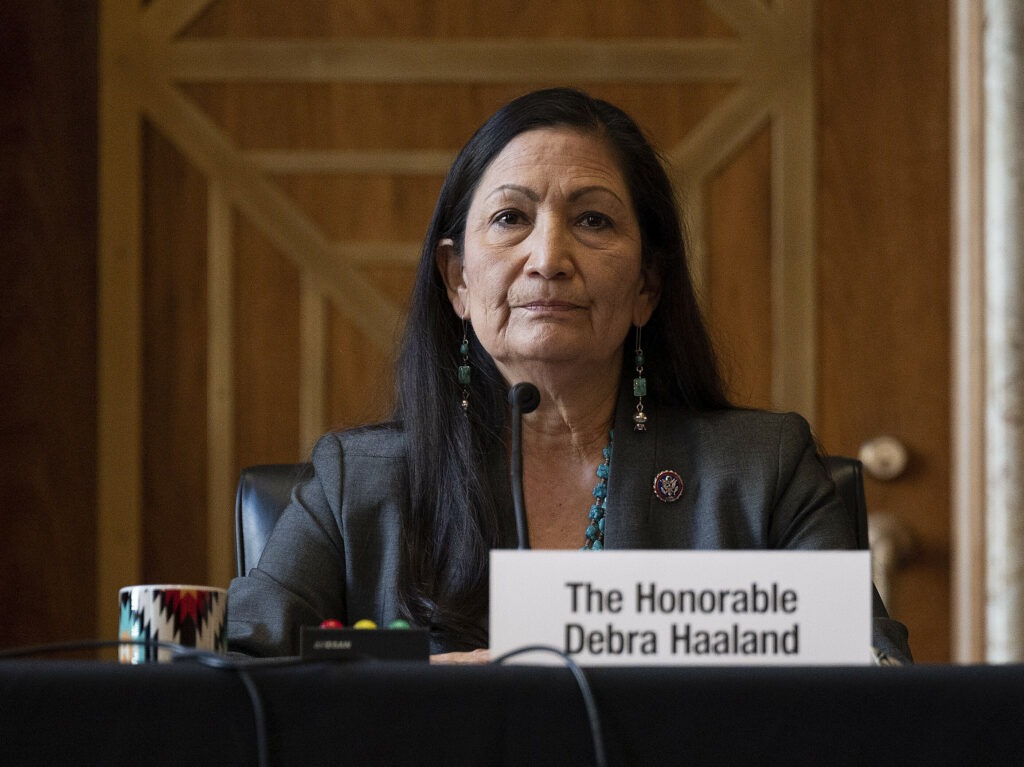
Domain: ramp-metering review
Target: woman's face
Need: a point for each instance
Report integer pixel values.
(550, 270)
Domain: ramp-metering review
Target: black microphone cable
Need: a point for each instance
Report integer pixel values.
(524, 398)
(240, 666)
(589, 703)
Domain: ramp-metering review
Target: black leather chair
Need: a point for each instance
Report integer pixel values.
(848, 474)
(263, 493)
(265, 490)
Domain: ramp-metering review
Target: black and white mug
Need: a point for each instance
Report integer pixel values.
(189, 616)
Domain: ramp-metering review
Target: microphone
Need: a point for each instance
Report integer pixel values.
(524, 398)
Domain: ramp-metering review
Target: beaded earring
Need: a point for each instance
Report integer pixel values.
(464, 374)
(639, 386)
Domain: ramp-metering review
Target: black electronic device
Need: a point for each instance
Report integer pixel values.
(316, 643)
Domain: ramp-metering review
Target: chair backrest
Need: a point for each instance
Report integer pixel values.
(265, 490)
(263, 493)
(848, 474)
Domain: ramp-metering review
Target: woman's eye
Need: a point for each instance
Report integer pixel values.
(508, 218)
(594, 220)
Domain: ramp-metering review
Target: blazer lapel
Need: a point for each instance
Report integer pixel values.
(630, 493)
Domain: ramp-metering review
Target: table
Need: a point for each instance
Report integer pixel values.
(368, 713)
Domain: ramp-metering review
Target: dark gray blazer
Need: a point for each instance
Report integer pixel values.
(751, 480)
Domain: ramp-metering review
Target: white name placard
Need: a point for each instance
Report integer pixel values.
(630, 608)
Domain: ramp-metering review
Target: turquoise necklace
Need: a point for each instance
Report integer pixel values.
(595, 526)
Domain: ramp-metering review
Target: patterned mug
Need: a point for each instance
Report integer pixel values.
(189, 616)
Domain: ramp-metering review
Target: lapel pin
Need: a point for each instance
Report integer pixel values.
(668, 486)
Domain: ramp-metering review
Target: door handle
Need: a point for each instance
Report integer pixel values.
(885, 458)
(893, 545)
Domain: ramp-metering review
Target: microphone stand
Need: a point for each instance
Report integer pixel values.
(524, 398)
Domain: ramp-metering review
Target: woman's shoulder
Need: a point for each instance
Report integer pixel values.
(740, 421)
(379, 440)
(374, 453)
(740, 429)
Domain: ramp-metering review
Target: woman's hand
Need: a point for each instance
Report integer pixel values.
(471, 658)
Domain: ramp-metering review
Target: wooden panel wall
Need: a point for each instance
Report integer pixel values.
(47, 321)
(737, 285)
(261, 213)
(288, 166)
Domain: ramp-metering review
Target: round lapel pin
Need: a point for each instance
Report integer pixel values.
(668, 486)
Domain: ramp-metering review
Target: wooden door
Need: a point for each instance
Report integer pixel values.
(883, 264)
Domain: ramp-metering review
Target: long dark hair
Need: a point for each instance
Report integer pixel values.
(456, 459)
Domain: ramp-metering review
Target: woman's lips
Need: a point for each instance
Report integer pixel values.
(547, 305)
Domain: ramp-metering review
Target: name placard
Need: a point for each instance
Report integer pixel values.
(629, 608)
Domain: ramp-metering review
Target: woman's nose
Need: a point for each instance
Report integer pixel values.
(551, 255)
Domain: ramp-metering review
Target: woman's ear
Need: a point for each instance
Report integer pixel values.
(647, 299)
(449, 264)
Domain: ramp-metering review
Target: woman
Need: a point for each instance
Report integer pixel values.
(555, 256)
